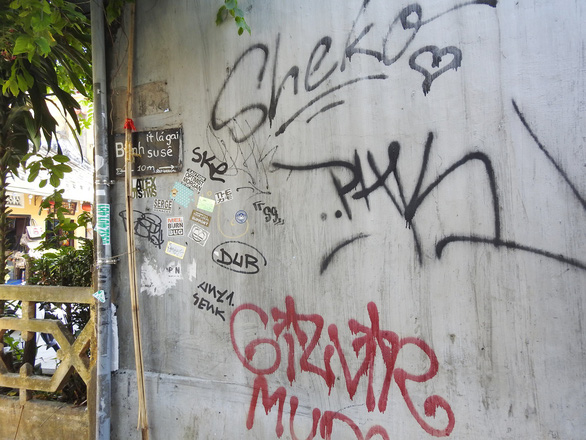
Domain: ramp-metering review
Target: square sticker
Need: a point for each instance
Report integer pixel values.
(174, 226)
(193, 180)
(223, 196)
(175, 249)
(199, 235)
(206, 204)
(182, 194)
(201, 218)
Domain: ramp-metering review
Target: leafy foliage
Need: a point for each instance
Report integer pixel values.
(55, 166)
(51, 169)
(44, 57)
(41, 34)
(114, 9)
(64, 267)
(65, 227)
(230, 9)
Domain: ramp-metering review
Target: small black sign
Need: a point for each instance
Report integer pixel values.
(156, 152)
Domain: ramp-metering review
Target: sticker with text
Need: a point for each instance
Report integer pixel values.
(175, 249)
(193, 180)
(201, 218)
(103, 222)
(223, 196)
(160, 205)
(143, 187)
(175, 226)
(173, 272)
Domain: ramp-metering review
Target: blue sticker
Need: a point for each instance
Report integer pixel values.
(241, 217)
(182, 194)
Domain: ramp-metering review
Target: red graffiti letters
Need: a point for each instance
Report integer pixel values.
(369, 341)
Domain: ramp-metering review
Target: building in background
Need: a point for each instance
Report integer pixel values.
(28, 221)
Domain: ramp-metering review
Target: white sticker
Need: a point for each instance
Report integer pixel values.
(175, 250)
(193, 180)
(199, 235)
(100, 295)
(223, 196)
(161, 205)
(174, 226)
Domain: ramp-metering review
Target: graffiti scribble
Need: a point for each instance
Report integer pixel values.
(370, 341)
(408, 205)
(146, 225)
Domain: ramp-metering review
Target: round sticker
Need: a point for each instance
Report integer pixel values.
(241, 216)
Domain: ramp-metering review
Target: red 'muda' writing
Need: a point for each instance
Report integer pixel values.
(370, 339)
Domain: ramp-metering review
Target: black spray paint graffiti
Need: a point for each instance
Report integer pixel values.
(407, 206)
(219, 296)
(238, 257)
(437, 55)
(318, 75)
(249, 158)
(146, 225)
(270, 213)
(203, 159)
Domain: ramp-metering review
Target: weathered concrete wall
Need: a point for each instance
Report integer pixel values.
(406, 183)
(39, 420)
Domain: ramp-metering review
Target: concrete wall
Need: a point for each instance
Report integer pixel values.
(406, 183)
(38, 419)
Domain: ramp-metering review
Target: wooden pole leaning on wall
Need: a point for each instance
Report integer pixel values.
(129, 158)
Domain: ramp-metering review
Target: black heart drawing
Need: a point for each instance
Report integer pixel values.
(437, 55)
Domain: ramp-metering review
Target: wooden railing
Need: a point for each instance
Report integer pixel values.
(75, 353)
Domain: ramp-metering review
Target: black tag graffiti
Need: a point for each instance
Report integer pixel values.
(324, 76)
(407, 205)
(146, 225)
(437, 55)
(219, 296)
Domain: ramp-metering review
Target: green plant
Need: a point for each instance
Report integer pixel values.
(64, 267)
(230, 9)
(44, 58)
(62, 229)
(14, 355)
(15, 347)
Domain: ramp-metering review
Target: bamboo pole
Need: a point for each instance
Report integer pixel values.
(129, 157)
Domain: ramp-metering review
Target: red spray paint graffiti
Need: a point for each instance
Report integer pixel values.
(370, 339)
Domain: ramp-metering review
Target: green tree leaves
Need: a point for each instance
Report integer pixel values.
(32, 30)
(45, 56)
(53, 168)
(230, 9)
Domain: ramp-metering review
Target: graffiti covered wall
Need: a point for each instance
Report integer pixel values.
(364, 220)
